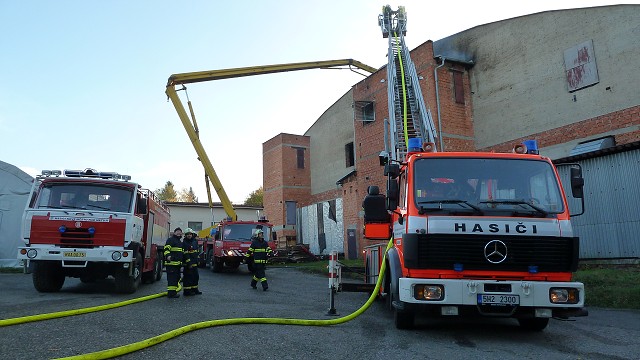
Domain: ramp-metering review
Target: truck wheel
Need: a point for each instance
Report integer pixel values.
(403, 319)
(150, 276)
(126, 284)
(216, 264)
(210, 259)
(533, 324)
(159, 267)
(47, 276)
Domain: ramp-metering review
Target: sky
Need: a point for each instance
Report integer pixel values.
(84, 81)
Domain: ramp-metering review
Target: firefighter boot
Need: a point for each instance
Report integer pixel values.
(196, 291)
(254, 283)
(265, 286)
(171, 294)
(188, 292)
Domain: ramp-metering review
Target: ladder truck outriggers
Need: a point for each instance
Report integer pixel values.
(467, 233)
(232, 238)
(90, 225)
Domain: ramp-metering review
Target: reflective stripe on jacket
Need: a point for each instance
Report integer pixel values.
(260, 250)
(173, 248)
(191, 252)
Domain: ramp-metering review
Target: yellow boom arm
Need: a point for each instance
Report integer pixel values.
(191, 128)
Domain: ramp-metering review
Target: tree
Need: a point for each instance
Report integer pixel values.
(167, 193)
(188, 196)
(255, 198)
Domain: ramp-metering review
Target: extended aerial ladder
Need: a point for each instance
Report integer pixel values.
(190, 124)
(408, 115)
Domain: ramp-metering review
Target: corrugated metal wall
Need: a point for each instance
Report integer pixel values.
(320, 228)
(610, 225)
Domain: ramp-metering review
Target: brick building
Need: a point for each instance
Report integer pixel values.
(566, 78)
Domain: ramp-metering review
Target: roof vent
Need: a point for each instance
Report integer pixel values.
(593, 145)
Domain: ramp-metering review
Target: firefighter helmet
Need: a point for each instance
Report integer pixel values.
(259, 231)
(189, 231)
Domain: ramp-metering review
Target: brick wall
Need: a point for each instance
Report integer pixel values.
(282, 179)
(616, 121)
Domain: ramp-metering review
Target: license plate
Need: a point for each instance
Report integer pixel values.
(497, 299)
(74, 254)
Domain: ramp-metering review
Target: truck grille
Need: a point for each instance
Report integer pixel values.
(548, 254)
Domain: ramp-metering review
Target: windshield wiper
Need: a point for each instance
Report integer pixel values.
(517, 202)
(448, 201)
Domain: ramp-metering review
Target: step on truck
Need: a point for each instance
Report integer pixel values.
(91, 225)
(468, 233)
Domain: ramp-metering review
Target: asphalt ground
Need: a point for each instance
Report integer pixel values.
(604, 334)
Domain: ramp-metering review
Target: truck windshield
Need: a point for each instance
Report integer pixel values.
(244, 232)
(495, 186)
(94, 197)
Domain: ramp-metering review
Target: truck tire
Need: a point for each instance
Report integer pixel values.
(533, 324)
(47, 276)
(150, 276)
(216, 264)
(159, 266)
(126, 284)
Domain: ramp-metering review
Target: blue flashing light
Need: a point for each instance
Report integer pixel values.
(415, 144)
(533, 269)
(458, 267)
(532, 146)
(92, 230)
(62, 229)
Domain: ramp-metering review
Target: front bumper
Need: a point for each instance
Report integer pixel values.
(75, 257)
(461, 296)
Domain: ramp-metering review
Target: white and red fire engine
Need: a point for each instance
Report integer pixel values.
(90, 225)
(473, 233)
(231, 241)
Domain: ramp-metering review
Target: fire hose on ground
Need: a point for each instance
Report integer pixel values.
(129, 348)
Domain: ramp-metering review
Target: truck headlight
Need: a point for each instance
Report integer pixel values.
(32, 253)
(428, 292)
(230, 253)
(564, 295)
(116, 255)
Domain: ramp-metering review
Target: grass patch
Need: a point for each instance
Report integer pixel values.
(606, 286)
(611, 287)
(10, 270)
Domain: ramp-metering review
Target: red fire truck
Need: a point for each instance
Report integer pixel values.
(231, 240)
(473, 233)
(90, 225)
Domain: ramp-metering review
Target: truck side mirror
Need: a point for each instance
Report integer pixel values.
(392, 194)
(141, 206)
(577, 182)
(392, 170)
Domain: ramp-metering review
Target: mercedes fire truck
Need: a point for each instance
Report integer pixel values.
(467, 233)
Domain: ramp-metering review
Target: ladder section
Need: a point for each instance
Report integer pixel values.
(408, 115)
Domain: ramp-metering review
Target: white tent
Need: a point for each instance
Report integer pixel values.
(15, 185)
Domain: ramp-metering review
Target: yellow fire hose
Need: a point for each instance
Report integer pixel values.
(129, 348)
(55, 315)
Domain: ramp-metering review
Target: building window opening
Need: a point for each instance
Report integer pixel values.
(349, 155)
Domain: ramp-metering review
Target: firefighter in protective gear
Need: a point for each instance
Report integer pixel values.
(260, 251)
(190, 272)
(173, 257)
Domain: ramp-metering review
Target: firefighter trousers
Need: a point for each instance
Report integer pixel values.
(173, 277)
(259, 275)
(191, 278)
